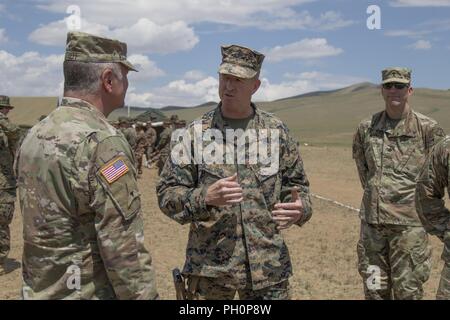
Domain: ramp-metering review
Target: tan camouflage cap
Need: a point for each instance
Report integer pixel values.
(4, 102)
(397, 74)
(85, 47)
(240, 61)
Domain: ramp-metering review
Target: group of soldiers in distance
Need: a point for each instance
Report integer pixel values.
(144, 139)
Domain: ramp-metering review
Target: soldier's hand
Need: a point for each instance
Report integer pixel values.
(224, 192)
(286, 214)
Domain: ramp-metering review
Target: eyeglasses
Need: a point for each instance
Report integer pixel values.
(396, 85)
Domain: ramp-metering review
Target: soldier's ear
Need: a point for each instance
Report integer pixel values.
(256, 85)
(106, 80)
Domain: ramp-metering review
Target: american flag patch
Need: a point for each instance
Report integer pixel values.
(114, 170)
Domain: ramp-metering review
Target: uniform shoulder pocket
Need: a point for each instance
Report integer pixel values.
(116, 174)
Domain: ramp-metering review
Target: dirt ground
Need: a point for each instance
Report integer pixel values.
(323, 252)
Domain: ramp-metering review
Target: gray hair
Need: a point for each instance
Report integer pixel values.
(85, 77)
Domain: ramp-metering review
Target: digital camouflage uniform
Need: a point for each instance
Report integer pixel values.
(150, 135)
(129, 133)
(163, 147)
(141, 146)
(388, 157)
(80, 202)
(238, 247)
(430, 204)
(9, 138)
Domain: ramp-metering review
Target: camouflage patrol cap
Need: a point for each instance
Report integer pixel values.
(123, 120)
(4, 102)
(85, 47)
(401, 75)
(240, 61)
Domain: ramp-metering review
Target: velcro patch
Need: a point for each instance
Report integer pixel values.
(114, 169)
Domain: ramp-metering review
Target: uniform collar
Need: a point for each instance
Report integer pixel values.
(405, 127)
(81, 104)
(220, 123)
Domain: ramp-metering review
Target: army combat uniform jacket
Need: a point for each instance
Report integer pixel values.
(83, 228)
(238, 244)
(388, 158)
(9, 138)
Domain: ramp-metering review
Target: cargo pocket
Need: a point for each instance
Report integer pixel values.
(421, 260)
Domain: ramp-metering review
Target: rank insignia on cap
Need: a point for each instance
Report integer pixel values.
(114, 170)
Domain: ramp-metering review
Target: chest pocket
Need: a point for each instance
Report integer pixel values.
(411, 154)
(270, 186)
(208, 174)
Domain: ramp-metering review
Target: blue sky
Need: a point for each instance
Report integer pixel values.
(309, 44)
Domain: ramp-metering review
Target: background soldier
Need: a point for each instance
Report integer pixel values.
(78, 190)
(150, 135)
(235, 243)
(141, 145)
(9, 140)
(393, 250)
(162, 149)
(128, 131)
(430, 204)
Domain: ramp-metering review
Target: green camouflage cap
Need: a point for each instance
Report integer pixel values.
(124, 120)
(4, 102)
(401, 75)
(240, 61)
(85, 47)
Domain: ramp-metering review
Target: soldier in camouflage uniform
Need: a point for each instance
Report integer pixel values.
(234, 209)
(9, 139)
(83, 227)
(389, 149)
(141, 146)
(150, 135)
(163, 146)
(128, 131)
(430, 204)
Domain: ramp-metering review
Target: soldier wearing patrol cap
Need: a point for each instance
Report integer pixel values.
(83, 227)
(236, 210)
(9, 141)
(389, 149)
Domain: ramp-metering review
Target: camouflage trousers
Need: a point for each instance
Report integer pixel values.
(443, 292)
(203, 288)
(161, 162)
(6, 215)
(394, 261)
(139, 158)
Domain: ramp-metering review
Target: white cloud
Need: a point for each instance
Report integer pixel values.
(329, 20)
(420, 3)
(144, 36)
(296, 84)
(31, 74)
(194, 75)
(3, 37)
(421, 45)
(266, 14)
(406, 33)
(146, 67)
(191, 93)
(178, 92)
(305, 49)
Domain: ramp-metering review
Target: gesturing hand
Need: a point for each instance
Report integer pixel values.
(224, 192)
(286, 214)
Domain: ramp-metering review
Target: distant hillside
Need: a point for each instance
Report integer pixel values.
(331, 117)
(28, 110)
(317, 118)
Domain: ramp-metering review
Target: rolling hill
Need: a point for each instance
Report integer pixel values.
(316, 118)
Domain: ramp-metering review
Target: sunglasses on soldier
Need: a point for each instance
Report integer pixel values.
(396, 85)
